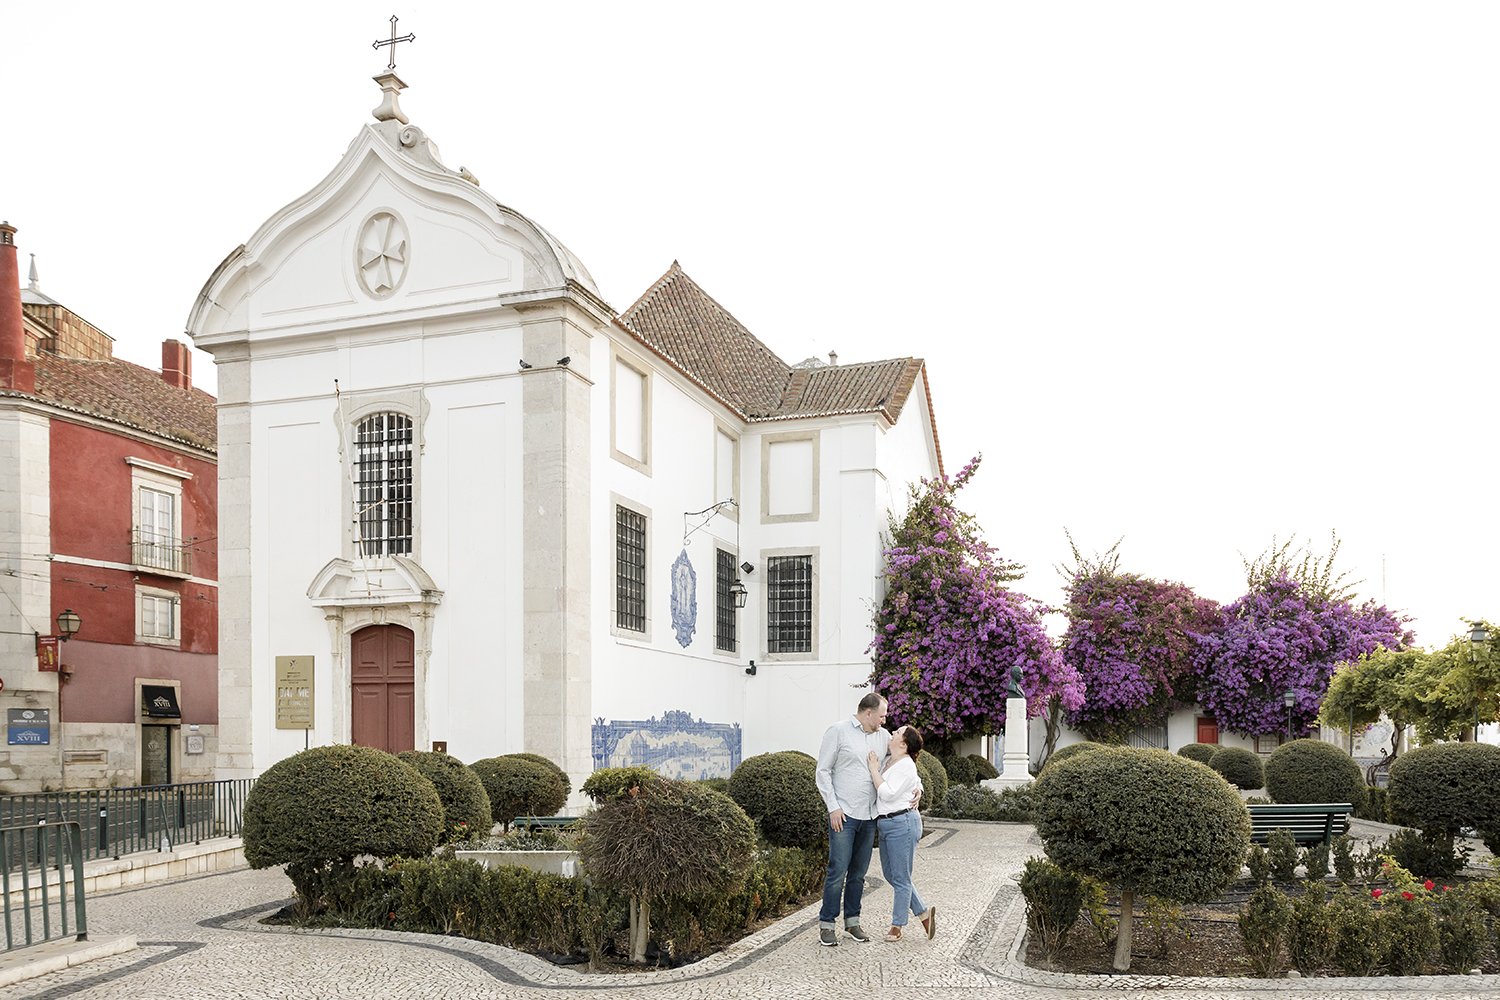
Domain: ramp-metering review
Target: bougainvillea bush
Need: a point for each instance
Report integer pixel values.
(1132, 641)
(949, 630)
(1285, 635)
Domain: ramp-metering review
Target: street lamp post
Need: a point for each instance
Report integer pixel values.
(1289, 699)
(1478, 636)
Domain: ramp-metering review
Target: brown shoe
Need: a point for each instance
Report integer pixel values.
(893, 935)
(928, 921)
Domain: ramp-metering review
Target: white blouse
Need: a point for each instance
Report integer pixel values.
(894, 793)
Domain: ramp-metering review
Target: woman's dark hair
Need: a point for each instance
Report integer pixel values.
(912, 737)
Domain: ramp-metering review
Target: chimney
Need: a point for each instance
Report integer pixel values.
(833, 358)
(15, 371)
(176, 364)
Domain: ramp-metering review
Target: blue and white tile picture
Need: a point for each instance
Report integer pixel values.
(675, 746)
(684, 599)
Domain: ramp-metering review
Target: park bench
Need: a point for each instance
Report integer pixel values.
(529, 823)
(1309, 822)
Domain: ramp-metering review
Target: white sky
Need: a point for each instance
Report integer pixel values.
(1195, 274)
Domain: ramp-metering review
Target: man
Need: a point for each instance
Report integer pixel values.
(844, 782)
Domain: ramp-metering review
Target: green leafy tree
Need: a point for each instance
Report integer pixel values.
(1377, 684)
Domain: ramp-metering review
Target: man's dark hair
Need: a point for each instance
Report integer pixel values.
(913, 739)
(869, 701)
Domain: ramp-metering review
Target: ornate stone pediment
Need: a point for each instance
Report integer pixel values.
(387, 580)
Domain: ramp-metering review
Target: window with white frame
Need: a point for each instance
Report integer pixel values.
(156, 541)
(726, 468)
(383, 495)
(630, 419)
(726, 625)
(789, 604)
(158, 618)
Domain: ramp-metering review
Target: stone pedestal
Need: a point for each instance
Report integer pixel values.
(1016, 763)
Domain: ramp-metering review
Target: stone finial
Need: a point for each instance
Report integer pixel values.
(31, 279)
(389, 110)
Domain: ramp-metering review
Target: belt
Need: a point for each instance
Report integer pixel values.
(898, 812)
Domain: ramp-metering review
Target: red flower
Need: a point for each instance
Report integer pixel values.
(391, 915)
(1428, 885)
(1376, 893)
(1407, 895)
(1445, 888)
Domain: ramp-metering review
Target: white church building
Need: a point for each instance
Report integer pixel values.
(465, 504)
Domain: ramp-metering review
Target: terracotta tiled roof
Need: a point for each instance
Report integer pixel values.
(128, 394)
(680, 321)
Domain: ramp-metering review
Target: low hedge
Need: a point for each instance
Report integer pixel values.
(934, 781)
(1376, 807)
(466, 805)
(520, 787)
(1308, 770)
(983, 768)
(1240, 767)
(960, 770)
(1446, 787)
(1071, 750)
(1009, 805)
(1201, 752)
(780, 792)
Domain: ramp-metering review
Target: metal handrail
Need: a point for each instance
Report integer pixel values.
(65, 841)
(135, 819)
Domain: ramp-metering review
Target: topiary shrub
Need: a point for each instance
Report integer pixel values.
(1072, 749)
(519, 787)
(1313, 771)
(1146, 820)
(318, 810)
(717, 784)
(1239, 766)
(1054, 898)
(960, 770)
(562, 775)
(466, 806)
(1443, 788)
(983, 769)
(1009, 805)
(672, 840)
(934, 781)
(613, 782)
(780, 792)
(1201, 752)
(1377, 805)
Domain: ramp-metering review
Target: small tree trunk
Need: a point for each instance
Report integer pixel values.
(638, 949)
(1124, 941)
(635, 917)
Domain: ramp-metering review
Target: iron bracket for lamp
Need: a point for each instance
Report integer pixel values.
(708, 514)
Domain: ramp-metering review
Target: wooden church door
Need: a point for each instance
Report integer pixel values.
(383, 670)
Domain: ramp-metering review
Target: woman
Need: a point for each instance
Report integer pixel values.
(900, 827)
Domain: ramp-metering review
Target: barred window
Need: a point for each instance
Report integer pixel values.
(630, 569)
(725, 634)
(383, 484)
(789, 582)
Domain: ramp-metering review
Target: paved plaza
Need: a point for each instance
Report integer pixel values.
(201, 940)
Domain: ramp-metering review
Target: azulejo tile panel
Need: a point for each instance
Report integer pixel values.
(675, 745)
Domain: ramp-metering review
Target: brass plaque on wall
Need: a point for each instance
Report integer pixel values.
(294, 692)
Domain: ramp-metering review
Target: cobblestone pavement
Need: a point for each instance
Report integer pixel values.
(200, 938)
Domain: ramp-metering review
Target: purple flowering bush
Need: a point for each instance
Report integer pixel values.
(1132, 641)
(949, 631)
(1285, 635)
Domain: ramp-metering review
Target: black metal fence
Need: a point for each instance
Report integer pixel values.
(36, 909)
(120, 821)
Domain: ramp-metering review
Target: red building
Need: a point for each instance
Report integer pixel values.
(108, 508)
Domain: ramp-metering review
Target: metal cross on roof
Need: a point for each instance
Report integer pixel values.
(408, 37)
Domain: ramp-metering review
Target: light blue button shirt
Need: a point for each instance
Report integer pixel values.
(843, 768)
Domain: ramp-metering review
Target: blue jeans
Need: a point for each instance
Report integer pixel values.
(898, 849)
(848, 860)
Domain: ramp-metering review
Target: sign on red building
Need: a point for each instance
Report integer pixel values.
(46, 652)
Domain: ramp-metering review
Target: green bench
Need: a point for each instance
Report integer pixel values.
(1310, 822)
(529, 823)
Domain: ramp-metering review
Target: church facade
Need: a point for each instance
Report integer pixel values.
(466, 504)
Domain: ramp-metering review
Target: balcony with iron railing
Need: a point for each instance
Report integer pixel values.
(160, 553)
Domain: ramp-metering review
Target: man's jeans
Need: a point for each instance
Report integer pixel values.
(898, 848)
(848, 860)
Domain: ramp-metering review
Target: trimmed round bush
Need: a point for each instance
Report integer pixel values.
(1444, 788)
(466, 806)
(1071, 750)
(934, 780)
(1240, 767)
(519, 787)
(674, 839)
(1309, 770)
(983, 769)
(1201, 752)
(329, 805)
(613, 782)
(1146, 821)
(960, 770)
(562, 775)
(780, 792)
